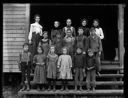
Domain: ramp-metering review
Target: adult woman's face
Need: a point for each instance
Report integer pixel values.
(84, 23)
(95, 23)
(56, 24)
(37, 19)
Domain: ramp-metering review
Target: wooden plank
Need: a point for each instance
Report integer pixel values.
(13, 16)
(13, 43)
(12, 27)
(12, 47)
(13, 8)
(11, 54)
(27, 21)
(121, 34)
(11, 70)
(12, 24)
(14, 31)
(13, 39)
(12, 66)
(110, 68)
(10, 58)
(71, 92)
(12, 51)
(10, 62)
(13, 5)
(14, 20)
(13, 12)
(110, 62)
(13, 35)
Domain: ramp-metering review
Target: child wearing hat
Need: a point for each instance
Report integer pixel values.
(91, 71)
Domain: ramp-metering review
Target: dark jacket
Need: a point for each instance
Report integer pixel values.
(90, 62)
(94, 43)
(81, 42)
(79, 61)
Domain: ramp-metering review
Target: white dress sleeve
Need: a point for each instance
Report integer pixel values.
(101, 34)
(59, 61)
(30, 33)
(70, 61)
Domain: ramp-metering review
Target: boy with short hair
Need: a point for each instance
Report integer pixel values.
(24, 63)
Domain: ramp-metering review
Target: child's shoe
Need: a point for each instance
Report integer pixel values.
(66, 88)
(88, 89)
(75, 88)
(62, 88)
(54, 89)
(23, 88)
(81, 88)
(43, 89)
(98, 73)
(93, 89)
(28, 88)
(49, 88)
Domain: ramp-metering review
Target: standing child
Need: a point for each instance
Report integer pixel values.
(56, 31)
(94, 43)
(35, 34)
(91, 71)
(52, 67)
(85, 28)
(81, 41)
(99, 32)
(24, 65)
(65, 65)
(69, 42)
(69, 23)
(57, 38)
(40, 69)
(45, 42)
(79, 67)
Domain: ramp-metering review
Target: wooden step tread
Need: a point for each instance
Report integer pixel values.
(84, 92)
(110, 62)
(104, 75)
(101, 83)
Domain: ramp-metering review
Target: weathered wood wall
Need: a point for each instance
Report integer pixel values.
(15, 32)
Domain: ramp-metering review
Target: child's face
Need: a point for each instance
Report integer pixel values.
(84, 23)
(64, 51)
(78, 50)
(56, 24)
(69, 22)
(39, 50)
(95, 23)
(52, 49)
(26, 48)
(69, 33)
(80, 31)
(45, 35)
(37, 19)
(92, 32)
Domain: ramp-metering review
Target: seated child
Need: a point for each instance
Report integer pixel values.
(91, 70)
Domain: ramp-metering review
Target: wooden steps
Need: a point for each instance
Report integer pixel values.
(72, 94)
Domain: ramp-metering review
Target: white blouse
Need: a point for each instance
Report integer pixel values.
(99, 32)
(35, 27)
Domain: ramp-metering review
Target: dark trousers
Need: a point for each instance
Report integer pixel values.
(25, 69)
(78, 76)
(98, 62)
(91, 78)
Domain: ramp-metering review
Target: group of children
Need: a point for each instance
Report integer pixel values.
(62, 56)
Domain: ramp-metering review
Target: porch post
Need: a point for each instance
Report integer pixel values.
(121, 34)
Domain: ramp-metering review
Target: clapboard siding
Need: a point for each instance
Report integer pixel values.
(15, 30)
(13, 39)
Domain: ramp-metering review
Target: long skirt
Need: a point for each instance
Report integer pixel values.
(39, 75)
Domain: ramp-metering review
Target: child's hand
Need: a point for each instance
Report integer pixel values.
(83, 70)
(84, 52)
(30, 41)
(99, 53)
(74, 70)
